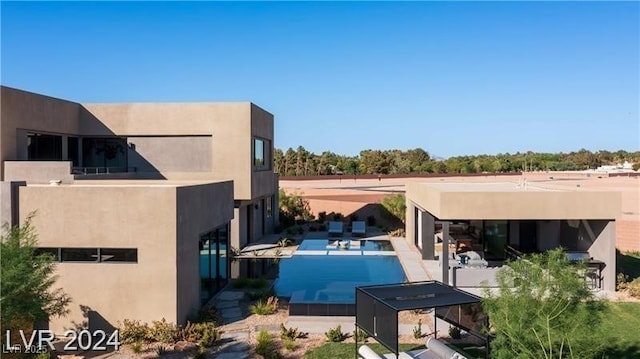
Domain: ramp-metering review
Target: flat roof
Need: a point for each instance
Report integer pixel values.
(419, 295)
(515, 201)
(131, 183)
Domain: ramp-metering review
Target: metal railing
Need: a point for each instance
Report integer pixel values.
(101, 170)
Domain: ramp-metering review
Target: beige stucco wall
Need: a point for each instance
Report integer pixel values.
(230, 125)
(22, 111)
(38, 171)
(200, 209)
(139, 217)
(475, 201)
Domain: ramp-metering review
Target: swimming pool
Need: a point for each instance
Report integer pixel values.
(320, 284)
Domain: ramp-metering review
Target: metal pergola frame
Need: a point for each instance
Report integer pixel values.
(382, 303)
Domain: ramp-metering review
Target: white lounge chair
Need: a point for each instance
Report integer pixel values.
(335, 229)
(358, 228)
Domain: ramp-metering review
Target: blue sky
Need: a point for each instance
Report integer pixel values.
(453, 78)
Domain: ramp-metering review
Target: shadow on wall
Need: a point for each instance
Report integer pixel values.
(628, 264)
(381, 216)
(91, 126)
(92, 320)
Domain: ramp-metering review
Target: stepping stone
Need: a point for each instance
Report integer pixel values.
(239, 336)
(230, 295)
(239, 325)
(233, 347)
(231, 312)
(234, 319)
(227, 304)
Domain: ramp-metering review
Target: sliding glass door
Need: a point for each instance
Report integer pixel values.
(214, 264)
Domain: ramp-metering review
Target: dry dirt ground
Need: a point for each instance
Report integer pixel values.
(351, 196)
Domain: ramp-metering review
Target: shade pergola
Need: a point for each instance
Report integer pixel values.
(377, 308)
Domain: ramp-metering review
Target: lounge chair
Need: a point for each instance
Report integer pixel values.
(335, 229)
(358, 229)
(354, 244)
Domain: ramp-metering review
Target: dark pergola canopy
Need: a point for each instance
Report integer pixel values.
(377, 308)
(418, 295)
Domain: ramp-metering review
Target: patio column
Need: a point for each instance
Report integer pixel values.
(427, 230)
(445, 252)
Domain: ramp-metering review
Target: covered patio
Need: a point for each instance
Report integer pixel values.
(472, 228)
(377, 309)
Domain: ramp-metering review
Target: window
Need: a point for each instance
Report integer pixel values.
(262, 154)
(41, 147)
(105, 155)
(118, 255)
(93, 255)
(79, 255)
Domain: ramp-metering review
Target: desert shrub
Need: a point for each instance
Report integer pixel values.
(371, 221)
(335, 335)
(289, 344)
(632, 288)
(360, 335)
(132, 331)
(397, 233)
(163, 331)
(205, 334)
(454, 332)
(266, 346)
(136, 347)
(417, 330)
(337, 216)
(322, 217)
(291, 333)
(284, 242)
(265, 307)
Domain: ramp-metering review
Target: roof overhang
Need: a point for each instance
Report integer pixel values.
(508, 201)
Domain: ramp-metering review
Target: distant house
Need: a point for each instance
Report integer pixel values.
(139, 202)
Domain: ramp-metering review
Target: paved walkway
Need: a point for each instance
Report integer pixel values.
(411, 261)
(235, 339)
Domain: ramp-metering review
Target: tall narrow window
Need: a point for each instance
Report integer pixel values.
(258, 151)
(261, 154)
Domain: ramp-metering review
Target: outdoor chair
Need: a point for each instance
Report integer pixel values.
(358, 229)
(335, 229)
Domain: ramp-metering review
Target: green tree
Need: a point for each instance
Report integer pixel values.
(27, 279)
(292, 207)
(543, 309)
(396, 205)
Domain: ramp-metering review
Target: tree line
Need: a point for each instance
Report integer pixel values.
(301, 162)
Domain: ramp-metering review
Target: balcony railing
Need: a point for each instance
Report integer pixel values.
(101, 170)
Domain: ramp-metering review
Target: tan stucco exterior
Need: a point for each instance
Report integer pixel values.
(577, 220)
(508, 201)
(190, 169)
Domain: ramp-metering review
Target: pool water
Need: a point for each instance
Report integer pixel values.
(324, 244)
(331, 278)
